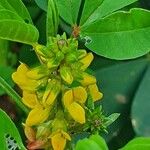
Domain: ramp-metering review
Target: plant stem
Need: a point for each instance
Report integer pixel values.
(13, 94)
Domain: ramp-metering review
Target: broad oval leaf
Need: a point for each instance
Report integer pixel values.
(122, 35)
(9, 135)
(139, 143)
(42, 4)
(18, 7)
(140, 107)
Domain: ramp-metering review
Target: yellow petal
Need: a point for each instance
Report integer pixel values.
(51, 92)
(66, 74)
(87, 79)
(68, 98)
(58, 141)
(30, 133)
(29, 99)
(37, 115)
(80, 94)
(94, 92)
(86, 61)
(77, 112)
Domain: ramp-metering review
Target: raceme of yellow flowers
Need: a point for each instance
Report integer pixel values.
(56, 92)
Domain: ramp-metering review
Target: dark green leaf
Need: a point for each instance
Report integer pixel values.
(118, 83)
(122, 35)
(141, 106)
(42, 4)
(9, 134)
(139, 143)
(52, 19)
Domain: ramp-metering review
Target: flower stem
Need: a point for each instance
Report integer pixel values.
(6, 87)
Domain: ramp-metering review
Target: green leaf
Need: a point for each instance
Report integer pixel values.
(95, 12)
(17, 7)
(5, 73)
(42, 4)
(15, 30)
(87, 144)
(69, 10)
(122, 35)
(139, 143)
(119, 83)
(52, 20)
(140, 107)
(9, 135)
(100, 141)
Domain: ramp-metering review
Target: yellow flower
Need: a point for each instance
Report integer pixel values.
(38, 115)
(87, 79)
(29, 99)
(94, 92)
(86, 61)
(22, 80)
(58, 139)
(51, 92)
(71, 99)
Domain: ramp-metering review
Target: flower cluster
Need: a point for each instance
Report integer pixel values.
(56, 91)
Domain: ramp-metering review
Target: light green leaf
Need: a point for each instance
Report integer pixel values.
(122, 35)
(139, 143)
(141, 106)
(17, 7)
(15, 30)
(9, 135)
(69, 10)
(102, 9)
(52, 20)
(100, 141)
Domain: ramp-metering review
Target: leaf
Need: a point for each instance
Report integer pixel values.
(101, 10)
(122, 35)
(9, 135)
(140, 107)
(119, 83)
(52, 20)
(69, 10)
(15, 30)
(6, 72)
(100, 141)
(42, 4)
(139, 143)
(17, 7)
(87, 144)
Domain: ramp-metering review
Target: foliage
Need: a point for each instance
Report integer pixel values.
(109, 28)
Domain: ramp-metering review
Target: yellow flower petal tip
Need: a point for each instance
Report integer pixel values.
(87, 79)
(68, 98)
(77, 112)
(37, 115)
(86, 61)
(80, 94)
(94, 92)
(59, 139)
(29, 99)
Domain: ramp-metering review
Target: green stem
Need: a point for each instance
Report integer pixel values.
(6, 87)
